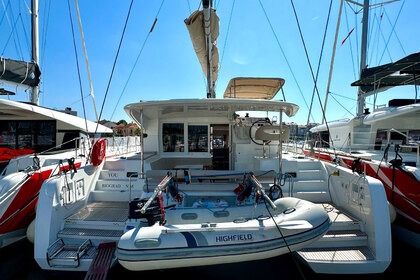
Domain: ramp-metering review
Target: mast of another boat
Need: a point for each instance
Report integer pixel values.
(363, 53)
(360, 95)
(332, 62)
(35, 47)
(363, 49)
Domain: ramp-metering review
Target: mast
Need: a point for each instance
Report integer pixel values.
(35, 47)
(209, 45)
(363, 50)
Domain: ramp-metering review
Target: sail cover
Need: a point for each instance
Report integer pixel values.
(19, 72)
(405, 71)
(196, 28)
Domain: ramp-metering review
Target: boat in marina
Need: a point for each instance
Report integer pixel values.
(61, 143)
(383, 142)
(207, 203)
(211, 185)
(38, 143)
(68, 143)
(206, 192)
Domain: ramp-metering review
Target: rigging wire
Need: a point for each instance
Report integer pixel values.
(44, 36)
(350, 42)
(376, 21)
(379, 34)
(8, 40)
(19, 34)
(77, 64)
(137, 58)
(319, 64)
(12, 21)
(115, 60)
(284, 55)
(393, 31)
(86, 59)
(311, 70)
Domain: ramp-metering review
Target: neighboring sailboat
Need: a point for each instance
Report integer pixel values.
(39, 143)
(20, 74)
(62, 144)
(384, 143)
(213, 163)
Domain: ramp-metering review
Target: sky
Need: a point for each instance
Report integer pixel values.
(125, 60)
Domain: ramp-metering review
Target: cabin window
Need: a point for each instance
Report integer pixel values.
(37, 135)
(46, 134)
(8, 134)
(394, 138)
(25, 135)
(404, 137)
(198, 138)
(70, 140)
(414, 137)
(173, 137)
(321, 139)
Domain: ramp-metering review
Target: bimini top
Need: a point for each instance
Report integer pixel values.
(210, 107)
(14, 110)
(253, 88)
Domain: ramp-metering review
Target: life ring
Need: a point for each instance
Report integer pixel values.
(98, 152)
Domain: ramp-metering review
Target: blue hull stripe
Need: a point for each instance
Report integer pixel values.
(192, 243)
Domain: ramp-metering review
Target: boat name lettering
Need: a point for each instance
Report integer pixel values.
(111, 186)
(233, 237)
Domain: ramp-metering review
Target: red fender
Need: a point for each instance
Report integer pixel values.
(98, 152)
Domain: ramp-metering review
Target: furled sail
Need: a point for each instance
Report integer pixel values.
(19, 72)
(201, 31)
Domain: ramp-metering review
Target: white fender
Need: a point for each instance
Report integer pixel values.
(392, 212)
(30, 232)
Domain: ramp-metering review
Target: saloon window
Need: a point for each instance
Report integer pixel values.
(198, 138)
(173, 138)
